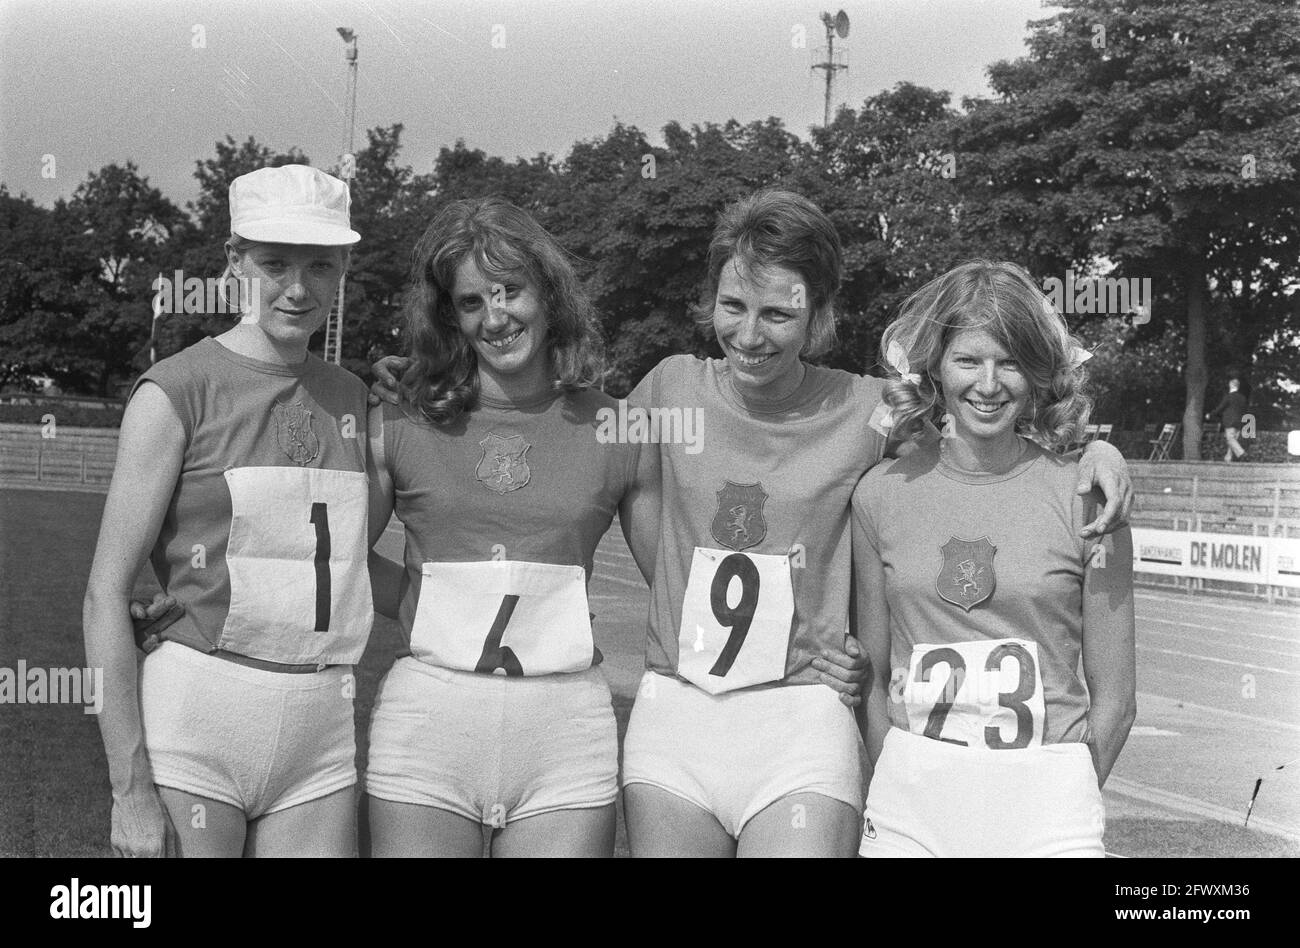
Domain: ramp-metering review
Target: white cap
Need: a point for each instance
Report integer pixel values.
(292, 204)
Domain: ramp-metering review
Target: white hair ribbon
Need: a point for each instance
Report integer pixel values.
(882, 419)
(896, 357)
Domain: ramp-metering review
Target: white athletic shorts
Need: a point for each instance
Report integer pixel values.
(491, 748)
(931, 798)
(735, 754)
(259, 740)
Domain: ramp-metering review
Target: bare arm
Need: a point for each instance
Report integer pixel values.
(639, 511)
(151, 449)
(871, 625)
(387, 578)
(1109, 659)
(1102, 466)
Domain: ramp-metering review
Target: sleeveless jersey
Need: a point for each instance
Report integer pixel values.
(984, 580)
(503, 510)
(752, 572)
(264, 540)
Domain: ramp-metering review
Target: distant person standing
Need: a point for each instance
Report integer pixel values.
(1229, 411)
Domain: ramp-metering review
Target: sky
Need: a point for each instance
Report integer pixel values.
(85, 83)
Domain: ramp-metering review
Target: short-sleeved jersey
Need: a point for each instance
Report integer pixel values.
(971, 557)
(534, 482)
(264, 540)
(764, 478)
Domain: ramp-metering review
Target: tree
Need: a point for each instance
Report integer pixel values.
(391, 207)
(877, 172)
(1163, 136)
(77, 302)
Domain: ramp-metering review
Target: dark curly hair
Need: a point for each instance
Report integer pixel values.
(503, 240)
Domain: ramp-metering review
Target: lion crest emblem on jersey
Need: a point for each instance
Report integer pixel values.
(739, 522)
(293, 431)
(967, 576)
(503, 467)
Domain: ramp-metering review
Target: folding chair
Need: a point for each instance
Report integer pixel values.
(1089, 432)
(1161, 445)
(1103, 432)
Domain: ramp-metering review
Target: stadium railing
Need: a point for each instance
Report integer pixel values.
(74, 456)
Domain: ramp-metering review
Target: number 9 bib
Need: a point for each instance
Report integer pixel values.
(736, 620)
(299, 589)
(985, 694)
(503, 617)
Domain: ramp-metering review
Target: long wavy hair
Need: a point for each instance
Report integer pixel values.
(1003, 300)
(779, 228)
(503, 240)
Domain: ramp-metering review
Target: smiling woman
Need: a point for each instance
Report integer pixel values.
(517, 320)
(241, 469)
(986, 655)
(495, 712)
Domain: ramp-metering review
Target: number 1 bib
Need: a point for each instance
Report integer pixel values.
(503, 617)
(985, 694)
(299, 588)
(736, 620)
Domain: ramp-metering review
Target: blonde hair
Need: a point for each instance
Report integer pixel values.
(1003, 300)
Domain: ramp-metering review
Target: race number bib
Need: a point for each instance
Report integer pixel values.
(736, 620)
(299, 588)
(503, 617)
(986, 694)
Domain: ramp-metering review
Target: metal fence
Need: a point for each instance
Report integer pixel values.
(55, 465)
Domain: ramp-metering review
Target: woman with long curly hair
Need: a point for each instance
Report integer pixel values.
(979, 605)
(496, 714)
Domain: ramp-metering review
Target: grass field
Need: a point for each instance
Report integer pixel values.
(54, 792)
(1178, 789)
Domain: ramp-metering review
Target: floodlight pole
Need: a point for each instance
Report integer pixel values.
(350, 56)
(334, 325)
(830, 65)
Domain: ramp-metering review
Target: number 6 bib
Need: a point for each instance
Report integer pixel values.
(985, 694)
(736, 620)
(503, 617)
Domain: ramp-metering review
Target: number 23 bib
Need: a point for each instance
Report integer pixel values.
(736, 619)
(984, 694)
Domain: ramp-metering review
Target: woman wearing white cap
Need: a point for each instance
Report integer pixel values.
(241, 472)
